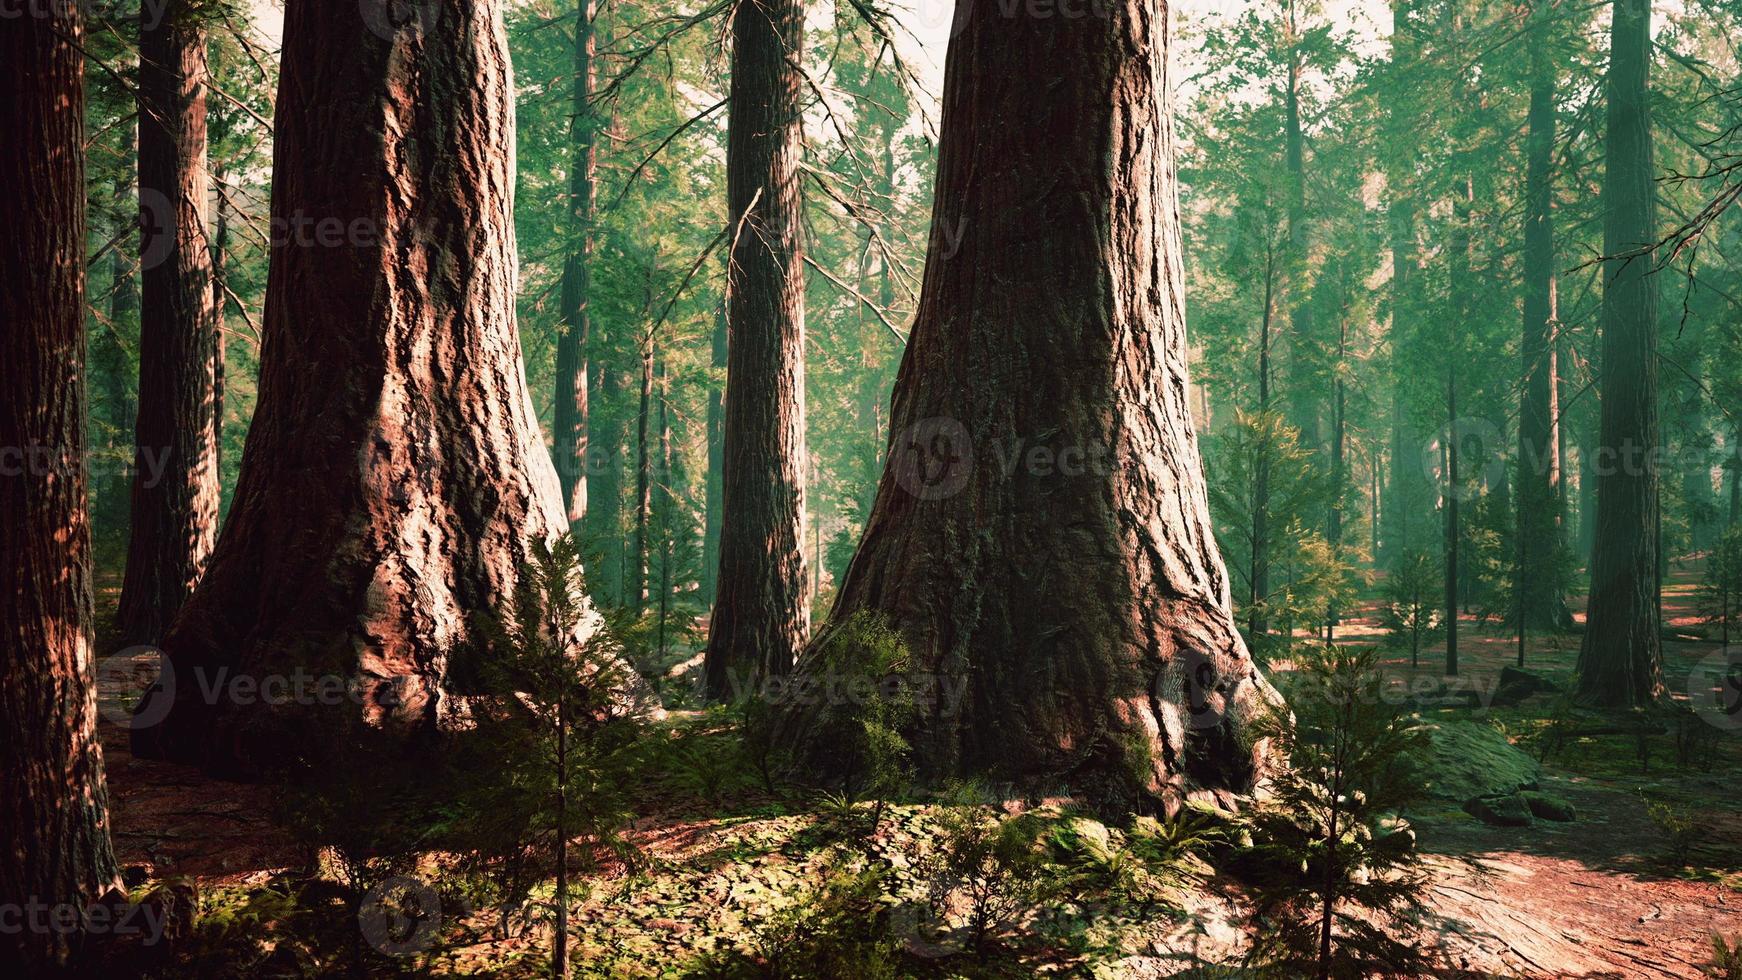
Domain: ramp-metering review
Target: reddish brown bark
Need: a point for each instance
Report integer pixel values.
(761, 615)
(53, 804)
(394, 478)
(175, 484)
(1076, 592)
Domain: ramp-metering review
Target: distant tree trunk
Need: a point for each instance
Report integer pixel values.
(570, 416)
(1403, 497)
(1460, 286)
(667, 504)
(716, 462)
(640, 562)
(1305, 405)
(1620, 660)
(1542, 603)
(53, 802)
(1082, 608)
(761, 615)
(175, 484)
(372, 523)
(1339, 467)
(608, 435)
(220, 242)
(1257, 629)
(115, 366)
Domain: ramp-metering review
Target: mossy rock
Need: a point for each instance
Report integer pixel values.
(1550, 807)
(1462, 760)
(1500, 811)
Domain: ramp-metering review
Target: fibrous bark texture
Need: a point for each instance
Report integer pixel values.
(1041, 536)
(394, 479)
(53, 806)
(1620, 661)
(175, 483)
(761, 615)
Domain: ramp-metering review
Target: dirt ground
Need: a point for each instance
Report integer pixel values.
(1591, 898)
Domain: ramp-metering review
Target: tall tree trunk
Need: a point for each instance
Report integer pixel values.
(1542, 602)
(639, 563)
(1460, 287)
(608, 434)
(1403, 494)
(667, 504)
(220, 242)
(1080, 611)
(115, 366)
(1257, 629)
(570, 416)
(1305, 414)
(175, 483)
(53, 802)
(716, 461)
(372, 523)
(1620, 660)
(1339, 465)
(761, 615)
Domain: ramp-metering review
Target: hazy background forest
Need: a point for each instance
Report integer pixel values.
(1346, 588)
(1322, 149)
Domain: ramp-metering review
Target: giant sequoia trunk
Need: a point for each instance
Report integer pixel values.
(394, 479)
(1620, 661)
(1041, 533)
(53, 805)
(1542, 602)
(570, 415)
(175, 482)
(761, 615)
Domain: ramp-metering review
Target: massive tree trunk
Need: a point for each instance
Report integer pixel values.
(570, 415)
(1542, 601)
(54, 815)
(1075, 599)
(175, 482)
(394, 479)
(1620, 660)
(761, 613)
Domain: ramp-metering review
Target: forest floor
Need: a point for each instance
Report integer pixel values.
(1598, 897)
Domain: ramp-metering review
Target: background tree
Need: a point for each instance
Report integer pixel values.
(175, 483)
(761, 615)
(1620, 661)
